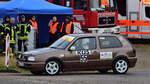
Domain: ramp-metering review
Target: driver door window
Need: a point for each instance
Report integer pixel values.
(85, 44)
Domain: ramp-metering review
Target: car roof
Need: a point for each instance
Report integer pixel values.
(91, 34)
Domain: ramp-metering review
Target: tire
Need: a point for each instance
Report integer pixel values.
(103, 70)
(52, 67)
(120, 66)
(36, 72)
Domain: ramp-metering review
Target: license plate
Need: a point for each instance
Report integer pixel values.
(20, 63)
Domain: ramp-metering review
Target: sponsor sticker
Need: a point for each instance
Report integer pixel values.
(106, 55)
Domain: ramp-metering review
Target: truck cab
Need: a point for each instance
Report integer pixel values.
(98, 16)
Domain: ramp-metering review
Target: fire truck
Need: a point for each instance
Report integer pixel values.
(94, 16)
(134, 18)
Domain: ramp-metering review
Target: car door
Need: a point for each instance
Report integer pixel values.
(82, 53)
(107, 45)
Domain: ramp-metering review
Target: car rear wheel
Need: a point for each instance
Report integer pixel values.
(103, 70)
(120, 66)
(52, 67)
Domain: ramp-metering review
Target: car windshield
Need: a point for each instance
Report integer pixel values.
(98, 5)
(63, 42)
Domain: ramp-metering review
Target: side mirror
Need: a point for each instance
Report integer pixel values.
(72, 48)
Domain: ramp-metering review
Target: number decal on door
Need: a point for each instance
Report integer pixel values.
(83, 55)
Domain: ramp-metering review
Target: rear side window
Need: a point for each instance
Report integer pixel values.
(109, 42)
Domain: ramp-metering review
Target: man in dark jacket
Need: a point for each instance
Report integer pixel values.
(67, 27)
(23, 29)
(3, 33)
(11, 30)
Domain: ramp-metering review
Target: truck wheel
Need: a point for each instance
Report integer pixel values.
(103, 70)
(52, 67)
(120, 66)
(36, 72)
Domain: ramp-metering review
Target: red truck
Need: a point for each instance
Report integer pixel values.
(94, 16)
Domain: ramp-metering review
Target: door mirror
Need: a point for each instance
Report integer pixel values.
(72, 48)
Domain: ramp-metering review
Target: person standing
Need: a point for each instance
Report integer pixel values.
(54, 30)
(1, 38)
(11, 30)
(67, 27)
(3, 33)
(34, 24)
(23, 29)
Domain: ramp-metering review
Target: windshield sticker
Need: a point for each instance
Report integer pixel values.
(83, 55)
(106, 55)
(68, 38)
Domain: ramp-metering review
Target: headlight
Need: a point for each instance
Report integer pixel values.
(31, 58)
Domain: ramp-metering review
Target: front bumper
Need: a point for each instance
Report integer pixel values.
(132, 62)
(34, 66)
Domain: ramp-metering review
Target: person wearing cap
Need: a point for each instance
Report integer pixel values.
(34, 24)
(3, 33)
(54, 30)
(23, 29)
(11, 30)
(67, 27)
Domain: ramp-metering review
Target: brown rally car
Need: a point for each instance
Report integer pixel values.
(74, 52)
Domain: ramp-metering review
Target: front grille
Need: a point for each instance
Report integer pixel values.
(106, 21)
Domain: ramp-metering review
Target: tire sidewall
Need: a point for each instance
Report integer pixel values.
(59, 65)
(114, 66)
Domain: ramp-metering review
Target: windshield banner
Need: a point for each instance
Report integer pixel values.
(68, 38)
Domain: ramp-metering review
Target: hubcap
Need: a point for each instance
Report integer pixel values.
(52, 67)
(121, 66)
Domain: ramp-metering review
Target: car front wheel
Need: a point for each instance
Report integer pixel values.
(120, 66)
(52, 67)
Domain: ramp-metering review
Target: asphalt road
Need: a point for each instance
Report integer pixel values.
(132, 77)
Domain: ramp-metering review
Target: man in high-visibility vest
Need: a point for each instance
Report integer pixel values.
(11, 30)
(54, 30)
(67, 27)
(3, 33)
(23, 29)
(34, 24)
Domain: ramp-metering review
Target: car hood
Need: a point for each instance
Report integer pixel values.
(41, 51)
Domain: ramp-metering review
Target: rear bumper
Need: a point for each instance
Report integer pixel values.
(33, 66)
(132, 62)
